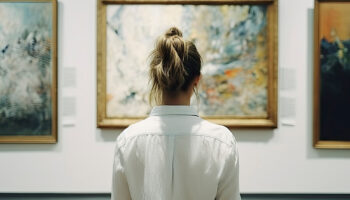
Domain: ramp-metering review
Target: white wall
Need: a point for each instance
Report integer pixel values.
(272, 161)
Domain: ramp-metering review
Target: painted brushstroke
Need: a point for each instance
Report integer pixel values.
(25, 68)
(232, 40)
(335, 71)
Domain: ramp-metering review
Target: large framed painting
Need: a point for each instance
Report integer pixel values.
(28, 69)
(236, 39)
(332, 74)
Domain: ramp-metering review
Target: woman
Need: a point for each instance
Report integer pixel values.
(174, 154)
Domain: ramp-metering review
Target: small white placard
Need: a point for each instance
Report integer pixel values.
(288, 79)
(68, 121)
(69, 110)
(288, 111)
(69, 77)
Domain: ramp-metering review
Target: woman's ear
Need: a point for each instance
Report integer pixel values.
(196, 80)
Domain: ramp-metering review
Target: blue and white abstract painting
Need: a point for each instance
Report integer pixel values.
(232, 40)
(25, 68)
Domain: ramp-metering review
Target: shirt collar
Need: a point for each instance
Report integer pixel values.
(173, 110)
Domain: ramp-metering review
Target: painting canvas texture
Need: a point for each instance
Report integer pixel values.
(25, 68)
(232, 40)
(334, 27)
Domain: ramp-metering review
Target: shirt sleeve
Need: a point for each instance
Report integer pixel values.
(228, 188)
(120, 188)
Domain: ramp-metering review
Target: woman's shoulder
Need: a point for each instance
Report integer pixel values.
(138, 127)
(199, 127)
(146, 126)
(216, 131)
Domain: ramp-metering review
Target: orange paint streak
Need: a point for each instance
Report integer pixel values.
(233, 72)
(335, 16)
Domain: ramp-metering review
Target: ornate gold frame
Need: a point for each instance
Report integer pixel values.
(53, 137)
(317, 143)
(269, 122)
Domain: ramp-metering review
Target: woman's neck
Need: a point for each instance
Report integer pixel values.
(178, 98)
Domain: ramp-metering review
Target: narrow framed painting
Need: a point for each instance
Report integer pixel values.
(331, 74)
(237, 40)
(28, 70)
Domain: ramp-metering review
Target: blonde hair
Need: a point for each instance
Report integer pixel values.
(175, 63)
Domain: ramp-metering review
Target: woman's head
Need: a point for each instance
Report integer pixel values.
(175, 65)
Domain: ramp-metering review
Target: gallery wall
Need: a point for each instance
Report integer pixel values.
(278, 160)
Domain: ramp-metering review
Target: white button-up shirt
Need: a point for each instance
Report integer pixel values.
(175, 155)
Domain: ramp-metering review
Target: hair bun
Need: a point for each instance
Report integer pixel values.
(173, 31)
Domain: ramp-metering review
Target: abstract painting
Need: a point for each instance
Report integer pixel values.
(28, 72)
(233, 40)
(332, 75)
